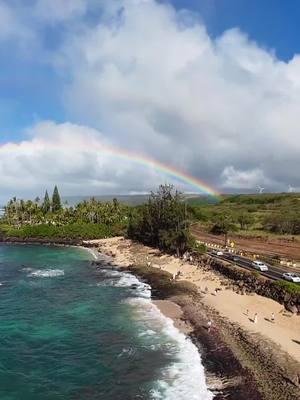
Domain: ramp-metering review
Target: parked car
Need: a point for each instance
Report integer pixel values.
(217, 252)
(291, 276)
(260, 265)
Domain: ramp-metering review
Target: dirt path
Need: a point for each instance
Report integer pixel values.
(265, 246)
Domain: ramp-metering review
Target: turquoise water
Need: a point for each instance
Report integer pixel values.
(71, 330)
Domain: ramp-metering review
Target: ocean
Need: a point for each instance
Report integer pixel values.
(71, 331)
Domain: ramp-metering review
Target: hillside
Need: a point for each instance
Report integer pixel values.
(277, 213)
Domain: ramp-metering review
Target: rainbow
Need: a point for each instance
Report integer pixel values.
(165, 169)
(148, 162)
(170, 171)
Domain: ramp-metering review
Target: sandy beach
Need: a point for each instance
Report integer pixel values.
(268, 350)
(284, 331)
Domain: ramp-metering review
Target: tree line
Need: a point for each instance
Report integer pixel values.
(19, 212)
(162, 222)
(287, 223)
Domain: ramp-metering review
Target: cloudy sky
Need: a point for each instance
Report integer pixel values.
(209, 87)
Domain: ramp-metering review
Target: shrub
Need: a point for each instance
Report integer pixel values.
(200, 248)
(71, 231)
(290, 287)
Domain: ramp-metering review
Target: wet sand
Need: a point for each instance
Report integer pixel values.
(175, 312)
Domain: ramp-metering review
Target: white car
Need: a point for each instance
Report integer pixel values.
(260, 266)
(291, 276)
(217, 252)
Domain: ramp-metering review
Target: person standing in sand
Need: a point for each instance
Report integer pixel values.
(209, 324)
(255, 318)
(273, 318)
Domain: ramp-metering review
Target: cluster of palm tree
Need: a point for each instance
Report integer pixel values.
(20, 212)
(97, 212)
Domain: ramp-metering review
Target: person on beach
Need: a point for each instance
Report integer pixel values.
(273, 318)
(215, 292)
(209, 324)
(247, 312)
(255, 318)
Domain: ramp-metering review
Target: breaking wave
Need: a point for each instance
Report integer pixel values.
(47, 273)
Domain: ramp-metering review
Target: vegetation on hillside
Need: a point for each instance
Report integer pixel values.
(265, 213)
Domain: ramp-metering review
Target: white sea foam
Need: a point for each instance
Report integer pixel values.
(126, 280)
(184, 379)
(112, 273)
(47, 273)
(93, 252)
(26, 269)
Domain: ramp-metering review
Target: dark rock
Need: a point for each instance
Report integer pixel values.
(291, 308)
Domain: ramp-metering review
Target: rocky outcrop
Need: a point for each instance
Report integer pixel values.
(46, 241)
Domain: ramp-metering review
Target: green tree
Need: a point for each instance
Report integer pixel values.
(46, 206)
(56, 202)
(223, 226)
(162, 222)
(245, 219)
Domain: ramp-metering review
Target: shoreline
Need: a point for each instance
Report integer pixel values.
(238, 362)
(173, 311)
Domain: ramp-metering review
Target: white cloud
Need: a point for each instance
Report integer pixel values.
(152, 80)
(160, 85)
(249, 179)
(73, 157)
(59, 10)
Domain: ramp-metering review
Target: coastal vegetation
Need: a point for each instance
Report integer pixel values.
(162, 222)
(51, 219)
(289, 287)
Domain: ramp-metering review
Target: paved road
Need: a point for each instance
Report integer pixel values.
(274, 272)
